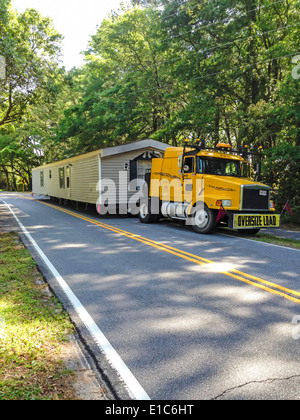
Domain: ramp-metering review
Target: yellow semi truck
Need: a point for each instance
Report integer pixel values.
(206, 186)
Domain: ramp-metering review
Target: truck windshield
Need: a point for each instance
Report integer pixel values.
(222, 167)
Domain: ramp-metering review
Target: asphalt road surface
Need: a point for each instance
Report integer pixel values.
(191, 316)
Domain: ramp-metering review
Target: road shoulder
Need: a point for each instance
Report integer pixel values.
(86, 380)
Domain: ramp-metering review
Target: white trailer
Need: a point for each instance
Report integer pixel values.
(83, 178)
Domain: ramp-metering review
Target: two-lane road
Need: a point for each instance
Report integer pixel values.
(191, 316)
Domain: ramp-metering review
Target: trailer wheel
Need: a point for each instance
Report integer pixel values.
(203, 219)
(145, 215)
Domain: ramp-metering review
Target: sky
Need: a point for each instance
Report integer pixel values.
(76, 20)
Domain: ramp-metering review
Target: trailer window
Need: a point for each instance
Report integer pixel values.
(42, 178)
(143, 166)
(61, 174)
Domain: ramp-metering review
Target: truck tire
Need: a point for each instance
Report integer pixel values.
(145, 215)
(203, 219)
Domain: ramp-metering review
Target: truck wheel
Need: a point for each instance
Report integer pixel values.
(145, 215)
(203, 219)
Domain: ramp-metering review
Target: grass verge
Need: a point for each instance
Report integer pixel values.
(272, 239)
(33, 329)
(264, 237)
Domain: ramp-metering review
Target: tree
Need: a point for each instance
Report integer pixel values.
(128, 94)
(32, 141)
(30, 46)
(17, 158)
(233, 57)
(164, 69)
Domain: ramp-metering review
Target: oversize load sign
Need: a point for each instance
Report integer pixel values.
(250, 221)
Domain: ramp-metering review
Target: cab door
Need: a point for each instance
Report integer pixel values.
(188, 184)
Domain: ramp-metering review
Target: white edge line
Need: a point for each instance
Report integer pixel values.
(134, 387)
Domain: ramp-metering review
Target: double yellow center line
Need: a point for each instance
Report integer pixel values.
(268, 286)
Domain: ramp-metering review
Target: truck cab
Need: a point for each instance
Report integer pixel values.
(207, 186)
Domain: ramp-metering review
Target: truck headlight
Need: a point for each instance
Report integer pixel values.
(226, 203)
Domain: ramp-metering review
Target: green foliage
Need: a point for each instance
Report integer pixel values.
(282, 171)
(125, 96)
(174, 71)
(30, 46)
(168, 70)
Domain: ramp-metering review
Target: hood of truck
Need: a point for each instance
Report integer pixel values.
(225, 188)
(229, 182)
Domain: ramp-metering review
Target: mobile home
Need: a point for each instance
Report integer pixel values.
(83, 178)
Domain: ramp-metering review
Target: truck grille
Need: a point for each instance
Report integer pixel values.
(255, 198)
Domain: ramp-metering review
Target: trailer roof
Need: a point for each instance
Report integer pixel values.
(111, 151)
(128, 147)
